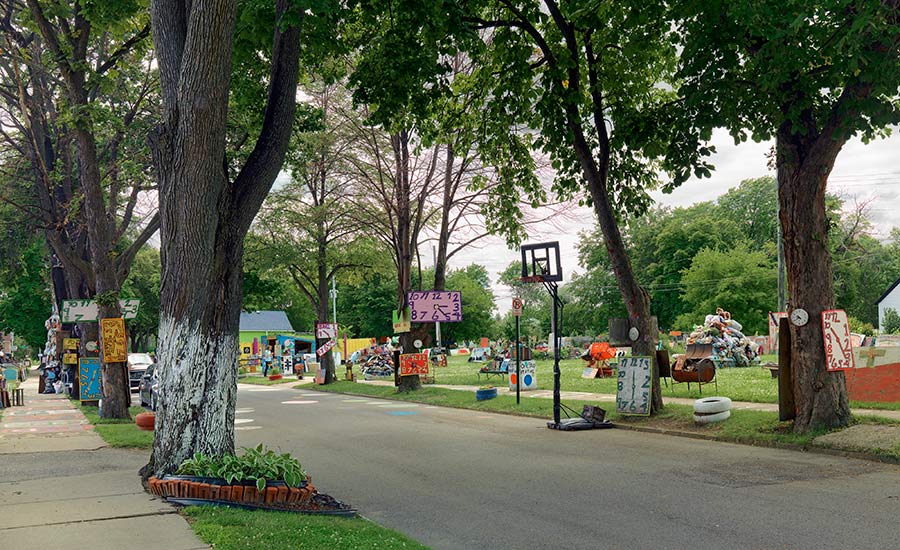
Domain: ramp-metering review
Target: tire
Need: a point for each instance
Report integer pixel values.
(712, 405)
(710, 418)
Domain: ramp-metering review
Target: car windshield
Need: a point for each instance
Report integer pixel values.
(139, 359)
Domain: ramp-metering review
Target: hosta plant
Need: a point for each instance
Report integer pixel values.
(257, 464)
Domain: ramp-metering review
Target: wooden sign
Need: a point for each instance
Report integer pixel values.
(70, 343)
(326, 331)
(773, 329)
(412, 364)
(112, 338)
(74, 311)
(435, 306)
(401, 321)
(89, 379)
(838, 345)
(590, 372)
(633, 386)
(70, 358)
(325, 348)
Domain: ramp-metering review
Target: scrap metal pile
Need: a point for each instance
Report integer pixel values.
(730, 346)
(378, 365)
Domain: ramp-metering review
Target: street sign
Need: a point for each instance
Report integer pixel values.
(112, 338)
(412, 364)
(429, 306)
(517, 306)
(836, 333)
(326, 331)
(633, 386)
(74, 311)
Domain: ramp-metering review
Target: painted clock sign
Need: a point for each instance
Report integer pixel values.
(429, 306)
(89, 379)
(633, 386)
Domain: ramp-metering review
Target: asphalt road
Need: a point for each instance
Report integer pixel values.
(465, 479)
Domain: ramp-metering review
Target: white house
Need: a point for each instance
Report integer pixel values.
(889, 300)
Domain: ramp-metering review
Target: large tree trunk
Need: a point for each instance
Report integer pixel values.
(400, 143)
(205, 217)
(803, 168)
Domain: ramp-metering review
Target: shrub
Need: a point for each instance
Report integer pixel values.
(891, 321)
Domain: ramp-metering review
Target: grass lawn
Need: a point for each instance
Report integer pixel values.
(744, 426)
(259, 380)
(232, 529)
(753, 384)
(119, 433)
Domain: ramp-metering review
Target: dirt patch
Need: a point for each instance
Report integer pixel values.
(863, 437)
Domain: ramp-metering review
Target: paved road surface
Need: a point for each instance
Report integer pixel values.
(465, 479)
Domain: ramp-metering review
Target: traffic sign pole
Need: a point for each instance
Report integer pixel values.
(518, 363)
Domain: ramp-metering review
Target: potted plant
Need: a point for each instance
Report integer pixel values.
(259, 476)
(485, 392)
(275, 373)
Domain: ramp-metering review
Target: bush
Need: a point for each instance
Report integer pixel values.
(860, 327)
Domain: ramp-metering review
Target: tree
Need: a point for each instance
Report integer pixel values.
(477, 304)
(812, 75)
(78, 81)
(206, 214)
(143, 284)
(891, 322)
(24, 299)
(587, 77)
(753, 206)
(738, 280)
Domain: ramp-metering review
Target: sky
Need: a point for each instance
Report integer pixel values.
(862, 172)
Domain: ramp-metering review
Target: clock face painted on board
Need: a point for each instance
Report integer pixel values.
(799, 317)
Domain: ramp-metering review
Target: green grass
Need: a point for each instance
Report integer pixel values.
(261, 381)
(119, 433)
(232, 529)
(751, 384)
(744, 426)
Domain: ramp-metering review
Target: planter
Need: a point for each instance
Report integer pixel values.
(146, 421)
(275, 377)
(216, 489)
(484, 394)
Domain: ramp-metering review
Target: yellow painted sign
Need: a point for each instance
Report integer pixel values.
(70, 358)
(70, 343)
(112, 340)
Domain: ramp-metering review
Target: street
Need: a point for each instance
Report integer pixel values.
(465, 479)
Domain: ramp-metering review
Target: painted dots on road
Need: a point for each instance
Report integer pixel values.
(401, 413)
(398, 405)
(298, 402)
(354, 400)
(248, 428)
(243, 411)
(243, 420)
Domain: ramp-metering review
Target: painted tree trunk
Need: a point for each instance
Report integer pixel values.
(803, 168)
(326, 361)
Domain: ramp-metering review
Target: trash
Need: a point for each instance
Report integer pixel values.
(730, 347)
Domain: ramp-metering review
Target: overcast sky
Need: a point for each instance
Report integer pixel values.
(863, 171)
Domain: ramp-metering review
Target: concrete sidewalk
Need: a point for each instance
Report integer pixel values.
(60, 487)
(587, 396)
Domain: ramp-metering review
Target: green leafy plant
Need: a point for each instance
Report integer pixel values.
(257, 464)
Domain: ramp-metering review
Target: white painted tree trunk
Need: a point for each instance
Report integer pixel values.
(198, 390)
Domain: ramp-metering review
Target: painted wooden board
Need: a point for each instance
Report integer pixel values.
(836, 335)
(633, 386)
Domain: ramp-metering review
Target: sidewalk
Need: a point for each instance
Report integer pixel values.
(60, 487)
(587, 396)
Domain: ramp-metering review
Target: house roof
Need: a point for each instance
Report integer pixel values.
(272, 321)
(888, 291)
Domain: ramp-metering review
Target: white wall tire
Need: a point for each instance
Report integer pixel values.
(712, 405)
(711, 418)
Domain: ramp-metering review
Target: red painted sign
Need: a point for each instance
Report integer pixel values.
(326, 347)
(412, 364)
(838, 346)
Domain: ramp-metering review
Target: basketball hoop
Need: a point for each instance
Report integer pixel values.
(541, 263)
(532, 279)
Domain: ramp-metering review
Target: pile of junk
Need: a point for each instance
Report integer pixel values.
(717, 343)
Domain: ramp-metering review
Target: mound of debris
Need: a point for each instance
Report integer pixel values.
(730, 346)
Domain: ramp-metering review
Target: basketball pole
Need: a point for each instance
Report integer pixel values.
(518, 369)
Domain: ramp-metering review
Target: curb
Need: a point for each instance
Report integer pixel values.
(860, 455)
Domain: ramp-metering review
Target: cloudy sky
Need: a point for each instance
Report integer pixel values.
(862, 172)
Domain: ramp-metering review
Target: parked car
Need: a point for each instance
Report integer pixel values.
(138, 363)
(149, 388)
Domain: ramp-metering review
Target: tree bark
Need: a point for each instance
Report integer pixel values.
(327, 360)
(803, 167)
(205, 217)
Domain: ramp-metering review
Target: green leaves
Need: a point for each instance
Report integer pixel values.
(258, 464)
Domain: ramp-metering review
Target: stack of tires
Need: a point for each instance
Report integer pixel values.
(711, 409)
